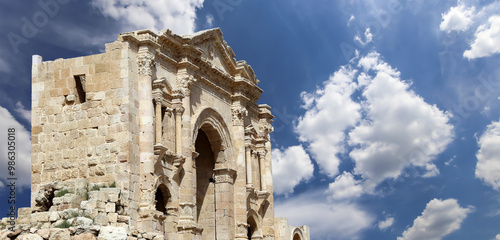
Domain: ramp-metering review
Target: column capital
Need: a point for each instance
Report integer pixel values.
(239, 113)
(185, 83)
(145, 64)
(225, 175)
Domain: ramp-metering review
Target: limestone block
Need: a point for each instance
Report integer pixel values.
(110, 207)
(112, 233)
(40, 217)
(123, 219)
(29, 237)
(83, 221)
(44, 233)
(54, 216)
(89, 204)
(84, 236)
(113, 217)
(23, 216)
(111, 194)
(59, 234)
(69, 213)
(101, 220)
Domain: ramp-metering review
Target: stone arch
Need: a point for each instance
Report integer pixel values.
(168, 193)
(297, 234)
(254, 225)
(212, 123)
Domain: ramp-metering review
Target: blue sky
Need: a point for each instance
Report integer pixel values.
(386, 112)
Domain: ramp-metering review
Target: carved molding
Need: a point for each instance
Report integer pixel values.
(145, 64)
(239, 113)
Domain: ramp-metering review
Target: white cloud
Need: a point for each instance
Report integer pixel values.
(400, 128)
(342, 221)
(290, 167)
(330, 111)
(177, 15)
(2, 185)
(23, 148)
(210, 20)
(345, 187)
(351, 19)
(458, 18)
(486, 40)
(387, 223)
(440, 218)
(388, 125)
(21, 110)
(368, 37)
(497, 237)
(488, 156)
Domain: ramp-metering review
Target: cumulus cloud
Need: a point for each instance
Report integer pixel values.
(486, 40)
(370, 108)
(440, 218)
(400, 128)
(387, 223)
(178, 15)
(345, 187)
(458, 18)
(343, 221)
(290, 167)
(330, 111)
(488, 156)
(23, 148)
(21, 110)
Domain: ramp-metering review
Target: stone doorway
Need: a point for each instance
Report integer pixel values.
(205, 186)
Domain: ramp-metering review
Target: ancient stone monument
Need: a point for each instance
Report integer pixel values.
(160, 137)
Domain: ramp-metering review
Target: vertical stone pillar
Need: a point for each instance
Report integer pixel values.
(248, 154)
(239, 113)
(145, 62)
(178, 111)
(183, 141)
(224, 203)
(262, 170)
(158, 118)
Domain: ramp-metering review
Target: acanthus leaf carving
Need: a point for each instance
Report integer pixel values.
(239, 113)
(145, 64)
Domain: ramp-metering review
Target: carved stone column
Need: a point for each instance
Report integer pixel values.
(145, 62)
(248, 154)
(178, 111)
(224, 205)
(158, 118)
(238, 119)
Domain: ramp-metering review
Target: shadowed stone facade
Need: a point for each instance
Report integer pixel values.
(160, 137)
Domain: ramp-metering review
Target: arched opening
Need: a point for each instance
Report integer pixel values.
(162, 197)
(252, 227)
(296, 237)
(205, 187)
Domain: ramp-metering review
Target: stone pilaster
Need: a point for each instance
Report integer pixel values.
(224, 205)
